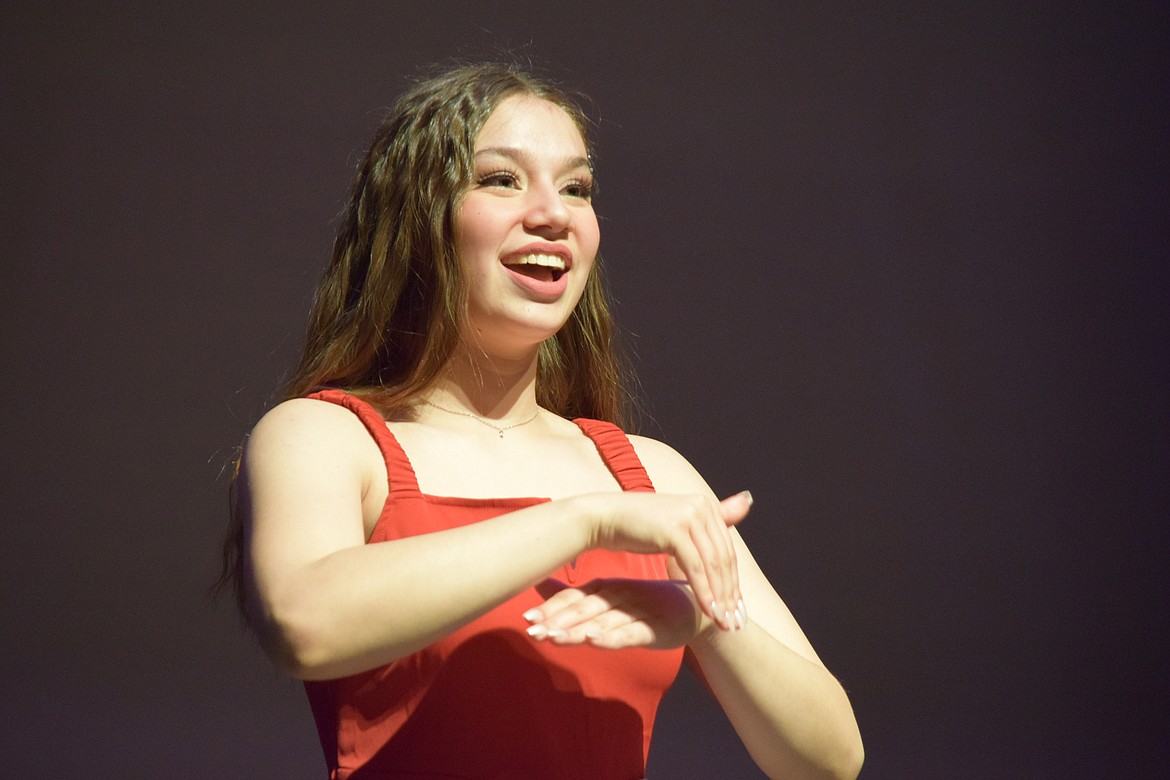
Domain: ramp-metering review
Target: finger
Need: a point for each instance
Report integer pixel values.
(551, 606)
(725, 564)
(736, 507)
(690, 562)
(713, 540)
(634, 633)
(731, 573)
(568, 611)
(546, 589)
(593, 628)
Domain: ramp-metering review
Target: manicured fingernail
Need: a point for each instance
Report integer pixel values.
(748, 495)
(740, 621)
(532, 615)
(537, 632)
(593, 633)
(556, 633)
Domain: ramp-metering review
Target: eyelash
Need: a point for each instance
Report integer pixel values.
(487, 180)
(584, 187)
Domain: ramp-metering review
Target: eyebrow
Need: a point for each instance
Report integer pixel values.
(515, 153)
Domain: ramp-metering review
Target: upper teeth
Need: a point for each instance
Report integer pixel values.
(548, 261)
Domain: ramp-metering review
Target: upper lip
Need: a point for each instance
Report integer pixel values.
(542, 248)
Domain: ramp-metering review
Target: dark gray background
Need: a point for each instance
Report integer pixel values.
(899, 268)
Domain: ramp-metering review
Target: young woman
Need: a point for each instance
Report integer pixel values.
(442, 530)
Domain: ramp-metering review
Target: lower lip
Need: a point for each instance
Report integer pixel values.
(545, 292)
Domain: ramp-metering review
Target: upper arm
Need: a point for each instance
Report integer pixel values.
(672, 473)
(304, 470)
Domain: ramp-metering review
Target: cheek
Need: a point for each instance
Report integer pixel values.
(466, 226)
(474, 236)
(590, 234)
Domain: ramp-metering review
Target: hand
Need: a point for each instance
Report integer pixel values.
(695, 530)
(618, 613)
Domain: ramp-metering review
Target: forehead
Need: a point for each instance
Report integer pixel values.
(532, 123)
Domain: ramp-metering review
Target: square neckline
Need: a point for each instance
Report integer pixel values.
(612, 445)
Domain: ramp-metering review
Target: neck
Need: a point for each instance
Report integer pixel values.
(489, 386)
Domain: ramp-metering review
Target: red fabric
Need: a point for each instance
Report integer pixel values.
(487, 701)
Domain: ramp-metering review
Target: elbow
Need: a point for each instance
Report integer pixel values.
(298, 655)
(297, 641)
(843, 763)
(847, 755)
(837, 755)
(847, 752)
(850, 759)
(311, 640)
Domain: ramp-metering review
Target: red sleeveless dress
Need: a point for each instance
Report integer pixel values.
(487, 701)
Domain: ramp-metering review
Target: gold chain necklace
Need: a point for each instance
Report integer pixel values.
(477, 418)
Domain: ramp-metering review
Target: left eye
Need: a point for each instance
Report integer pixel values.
(498, 180)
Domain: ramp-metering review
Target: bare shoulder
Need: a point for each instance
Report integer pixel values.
(669, 471)
(304, 428)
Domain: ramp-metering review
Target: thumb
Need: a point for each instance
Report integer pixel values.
(735, 508)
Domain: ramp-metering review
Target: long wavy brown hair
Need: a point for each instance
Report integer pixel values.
(390, 308)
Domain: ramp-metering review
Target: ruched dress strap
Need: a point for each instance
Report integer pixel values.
(618, 453)
(399, 473)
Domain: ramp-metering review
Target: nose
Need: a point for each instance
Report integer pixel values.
(546, 210)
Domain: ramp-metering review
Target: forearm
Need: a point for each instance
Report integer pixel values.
(362, 607)
(792, 715)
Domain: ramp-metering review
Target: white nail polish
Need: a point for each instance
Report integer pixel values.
(537, 632)
(556, 633)
(532, 615)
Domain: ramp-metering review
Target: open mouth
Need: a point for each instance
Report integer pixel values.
(543, 268)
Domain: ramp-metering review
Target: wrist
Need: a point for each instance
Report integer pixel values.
(586, 519)
(707, 637)
(712, 637)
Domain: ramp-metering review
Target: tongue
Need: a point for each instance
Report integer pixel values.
(538, 272)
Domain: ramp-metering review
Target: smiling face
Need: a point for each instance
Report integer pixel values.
(525, 232)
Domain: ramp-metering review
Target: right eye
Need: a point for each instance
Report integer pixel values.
(499, 179)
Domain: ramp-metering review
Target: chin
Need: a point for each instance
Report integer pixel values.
(512, 334)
